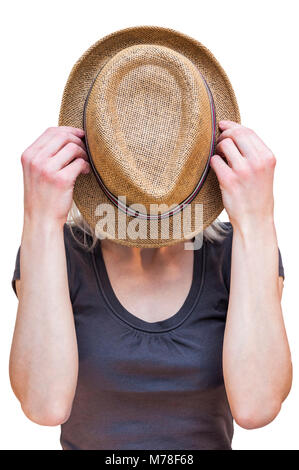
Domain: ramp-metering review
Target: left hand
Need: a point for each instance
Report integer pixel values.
(246, 178)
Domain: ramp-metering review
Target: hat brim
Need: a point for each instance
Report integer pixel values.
(87, 192)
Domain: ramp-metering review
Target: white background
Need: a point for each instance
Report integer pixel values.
(257, 44)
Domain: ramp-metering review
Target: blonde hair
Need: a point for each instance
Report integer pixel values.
(214, 232)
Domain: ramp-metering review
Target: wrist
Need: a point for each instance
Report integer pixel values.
(257, 227)
(42, 223)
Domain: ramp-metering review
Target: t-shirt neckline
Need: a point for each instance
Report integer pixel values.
(124, 315)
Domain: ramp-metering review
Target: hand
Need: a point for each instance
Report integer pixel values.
(246, 177)
(50, 167)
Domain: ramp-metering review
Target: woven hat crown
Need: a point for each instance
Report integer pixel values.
(149, 125)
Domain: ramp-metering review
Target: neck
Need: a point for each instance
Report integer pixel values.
(144, 257)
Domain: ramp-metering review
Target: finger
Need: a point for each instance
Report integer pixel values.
(228, 149)
(259, 145)
(241, 137)
(70, 172)
(222, 170)
(59, 141)
(53, 143)
(224, 135)
(256, 149)
(68, 153)
(223, 125)
(49, 134)
(73, 130)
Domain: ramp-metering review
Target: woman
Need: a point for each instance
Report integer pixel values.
(140, 386)
(131, 347)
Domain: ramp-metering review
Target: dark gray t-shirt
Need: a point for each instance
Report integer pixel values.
(149, 385)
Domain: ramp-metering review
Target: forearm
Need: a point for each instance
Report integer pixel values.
(256, 356)
(44, 362)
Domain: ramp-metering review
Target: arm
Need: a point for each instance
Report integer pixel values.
(256, 357)
(44, 357)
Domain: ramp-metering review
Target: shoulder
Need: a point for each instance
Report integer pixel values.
(222, 242)
(218, 254)
(76, 239)
(77, 246)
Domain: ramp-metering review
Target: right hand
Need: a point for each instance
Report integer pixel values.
(50, 167)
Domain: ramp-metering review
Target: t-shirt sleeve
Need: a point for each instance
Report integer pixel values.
(280, 265)
(16, 273)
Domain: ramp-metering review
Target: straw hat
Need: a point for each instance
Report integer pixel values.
(149, 100)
